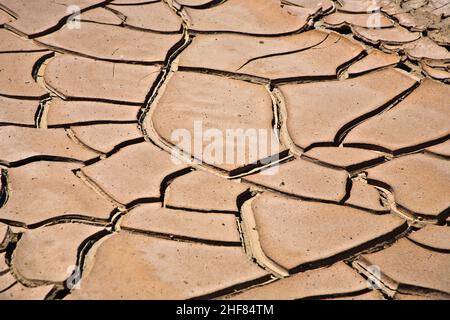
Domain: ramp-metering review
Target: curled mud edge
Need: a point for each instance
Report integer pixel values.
(251, 242)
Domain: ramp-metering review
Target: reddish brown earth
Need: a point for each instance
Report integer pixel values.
(352, 202)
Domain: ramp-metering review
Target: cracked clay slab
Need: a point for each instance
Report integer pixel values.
(312, 119)
(76, 78)
(298, 234)
(134, 172)
(152, 268)
(409, 268)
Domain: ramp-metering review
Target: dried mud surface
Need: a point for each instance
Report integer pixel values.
(93, 205)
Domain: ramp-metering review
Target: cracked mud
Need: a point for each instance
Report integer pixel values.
(98, 200)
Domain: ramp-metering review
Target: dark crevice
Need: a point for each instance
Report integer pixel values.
(240, 201)
(181, 238)
(133, 4)
(303, 79)
(24, 51)
(342, 29)
(421, 291)
(401, 151)
(371, 211)
(8, 11)
(437, 155)
(10, 248)
(404, 67)
(119, 102)
(365, 276)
